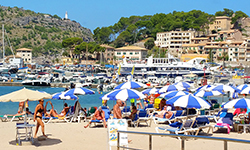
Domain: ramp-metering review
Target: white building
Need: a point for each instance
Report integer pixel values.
(17, 61)
(173, 40)
(25, 54)
(131, 52)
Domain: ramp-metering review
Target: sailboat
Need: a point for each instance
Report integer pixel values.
(4, 67)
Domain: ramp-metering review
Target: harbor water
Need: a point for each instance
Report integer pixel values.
(85, 100)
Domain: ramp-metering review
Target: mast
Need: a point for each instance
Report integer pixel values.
(3, 43)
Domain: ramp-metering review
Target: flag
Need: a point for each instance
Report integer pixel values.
(119, 70)
(123, 56)
(132, 72)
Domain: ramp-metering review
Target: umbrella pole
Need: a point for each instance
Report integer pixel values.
(25, 117)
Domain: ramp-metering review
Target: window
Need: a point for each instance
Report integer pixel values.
(131, 53)
(136, 53)
(118, 53)
(23, 54)
(124, 53)
(220, 49)
(28, 54)
(193, 48)
(219, 54)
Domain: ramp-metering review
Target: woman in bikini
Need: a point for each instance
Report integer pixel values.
(53, 112)
(39, 110)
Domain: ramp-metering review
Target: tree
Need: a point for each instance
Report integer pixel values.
(210, 56)
(71, 43)
(149, 44)
(225, 12)
(238, 15)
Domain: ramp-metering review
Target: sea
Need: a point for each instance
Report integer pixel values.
(86, 101)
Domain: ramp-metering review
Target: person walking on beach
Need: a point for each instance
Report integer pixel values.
(99, 115)
(117, 111)
(39, 110)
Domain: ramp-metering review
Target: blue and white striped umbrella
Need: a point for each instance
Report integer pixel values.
(203, 93)
(173, 94)
(79, 91)
(151, 91)
(183, 84)
(224, 88)
(245, 91)
(237, 103)
(205, 87)
(123, 94)
(62, 96)
(169, 88)
(188, 101)
(130, 85)
(243, 86)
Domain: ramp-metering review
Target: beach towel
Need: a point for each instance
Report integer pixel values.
(225, 125)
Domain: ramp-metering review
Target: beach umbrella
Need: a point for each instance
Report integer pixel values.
(150, 91)
(61, 95)
(238, 103)
(123, 94)
(23, 95)
(245, 90)
(205, 87)
(169, 88)
(130, 85)
(224, 88)
(186, 85)
(203, 93)
(188, 101)
(173, 94)
(79, 91)
(243, 86)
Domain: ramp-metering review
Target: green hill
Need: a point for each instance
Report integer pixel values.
(41, 32)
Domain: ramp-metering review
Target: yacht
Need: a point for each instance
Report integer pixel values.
(164, 67)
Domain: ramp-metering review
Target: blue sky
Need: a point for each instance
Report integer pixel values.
(98, 13)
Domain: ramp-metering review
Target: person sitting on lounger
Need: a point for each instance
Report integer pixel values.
(99, 115)
(164, 113)
(133, 113)
(53, 112)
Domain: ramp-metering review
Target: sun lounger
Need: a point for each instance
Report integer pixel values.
(107, 115)
(225, 122)
(3, 118)
(202, 123)
(158, 120)
(14, 117)
(143, 116)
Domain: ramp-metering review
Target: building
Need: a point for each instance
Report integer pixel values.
(17, 61)
(25, 54)
(247, 50)
(173, 40)
(237, 51)
(109, 52)
(131, 52)
(66, 61)
(221, 23)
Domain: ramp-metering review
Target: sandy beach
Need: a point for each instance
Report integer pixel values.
(65, 136)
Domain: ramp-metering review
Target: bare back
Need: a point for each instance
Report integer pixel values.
(117, 112)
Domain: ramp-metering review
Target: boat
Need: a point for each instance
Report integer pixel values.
(35, 82)
(163, 67)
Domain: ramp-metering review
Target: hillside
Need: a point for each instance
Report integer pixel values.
(41, 32)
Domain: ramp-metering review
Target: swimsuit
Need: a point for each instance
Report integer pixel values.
(40, 111)
(38, 117)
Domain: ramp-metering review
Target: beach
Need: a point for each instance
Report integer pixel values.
(74, 136)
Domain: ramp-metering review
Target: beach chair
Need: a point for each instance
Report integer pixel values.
(14, 117)
(90, 112)
(178, 127)
(126, 111)
(149, 108)
(202, 123)
(215, 117)
(225, 122)
(164, 120)
(143, 116)
(107, 115)
(3, 118)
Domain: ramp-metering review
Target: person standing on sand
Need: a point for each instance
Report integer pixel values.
(116, 110)
(39, 110)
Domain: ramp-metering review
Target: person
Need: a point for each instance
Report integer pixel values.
(151, 99)
(20, 108)
(138, 103)
(53, 112)
(239, 111)
(133, 113)
(39, 110)
(104, 102)
(116, 110)
(162, 103)
(177, 108)
(247, 119)
(164, 113)
(98, 115)
(145, 101)
(132, 101)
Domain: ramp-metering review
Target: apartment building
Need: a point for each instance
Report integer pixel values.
(25, 54)
(237, 51)
(109, 52)
(221, 23)
(131, 52)
(173, 40)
